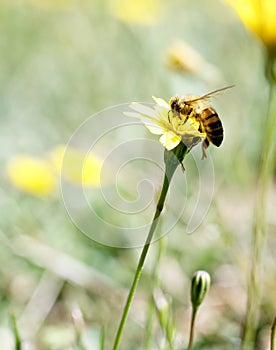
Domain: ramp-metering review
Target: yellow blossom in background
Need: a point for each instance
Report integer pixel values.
(259, 16)
(32, 175)
(39, 177)
(76, 166)
(144, 12)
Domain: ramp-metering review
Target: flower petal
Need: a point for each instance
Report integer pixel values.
(154, 129)
(160, 102)
(132, 115)
(143, 109)
(170, 140)
(150, 123)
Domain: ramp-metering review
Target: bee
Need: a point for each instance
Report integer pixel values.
(190, 106)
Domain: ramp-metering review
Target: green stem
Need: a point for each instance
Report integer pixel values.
(191, 338)
(17, 339)
(149, 325)
(272, 336)
(151, 309)
(102, 338)
(170, 330)
(259, 227)
(172, 160)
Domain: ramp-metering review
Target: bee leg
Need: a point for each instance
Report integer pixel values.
(205, 145)
(169, 119)
(188, 114)
(182, 167)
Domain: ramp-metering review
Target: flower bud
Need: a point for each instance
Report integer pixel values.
(163, 306)
(200, 285)
(181, 57)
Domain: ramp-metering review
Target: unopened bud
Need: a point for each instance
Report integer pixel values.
(200, 285)
(162, 304)
(182, 57)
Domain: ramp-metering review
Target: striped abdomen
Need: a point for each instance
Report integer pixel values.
(212, 125)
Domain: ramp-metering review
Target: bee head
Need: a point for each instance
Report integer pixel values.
(174, 103)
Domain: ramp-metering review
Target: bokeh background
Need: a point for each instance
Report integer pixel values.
(63, 61)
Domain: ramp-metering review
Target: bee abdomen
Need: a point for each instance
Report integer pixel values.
(212, 126)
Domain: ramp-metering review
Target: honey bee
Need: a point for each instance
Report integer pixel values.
(191, 106)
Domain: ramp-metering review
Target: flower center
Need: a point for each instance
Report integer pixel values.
(181, 114)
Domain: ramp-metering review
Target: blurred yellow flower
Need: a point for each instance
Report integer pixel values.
(77, 167)
(259, 16)
(145, 12)
(32, 175)
(172, 130)
(39, 177)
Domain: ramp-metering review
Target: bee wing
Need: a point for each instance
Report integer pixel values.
(210, 94)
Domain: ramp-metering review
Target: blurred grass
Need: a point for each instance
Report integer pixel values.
(64, 62)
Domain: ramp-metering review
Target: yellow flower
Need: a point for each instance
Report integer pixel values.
(145, 12)
(39, 177)
(259, 16)
(172, 129)
(76, 166)
(32, 175)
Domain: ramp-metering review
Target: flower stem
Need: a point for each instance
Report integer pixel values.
(151, 308)
(102, 338)
(17, 339)
(191, 338)
(259, 227)
(172, 160)
(272, 336)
